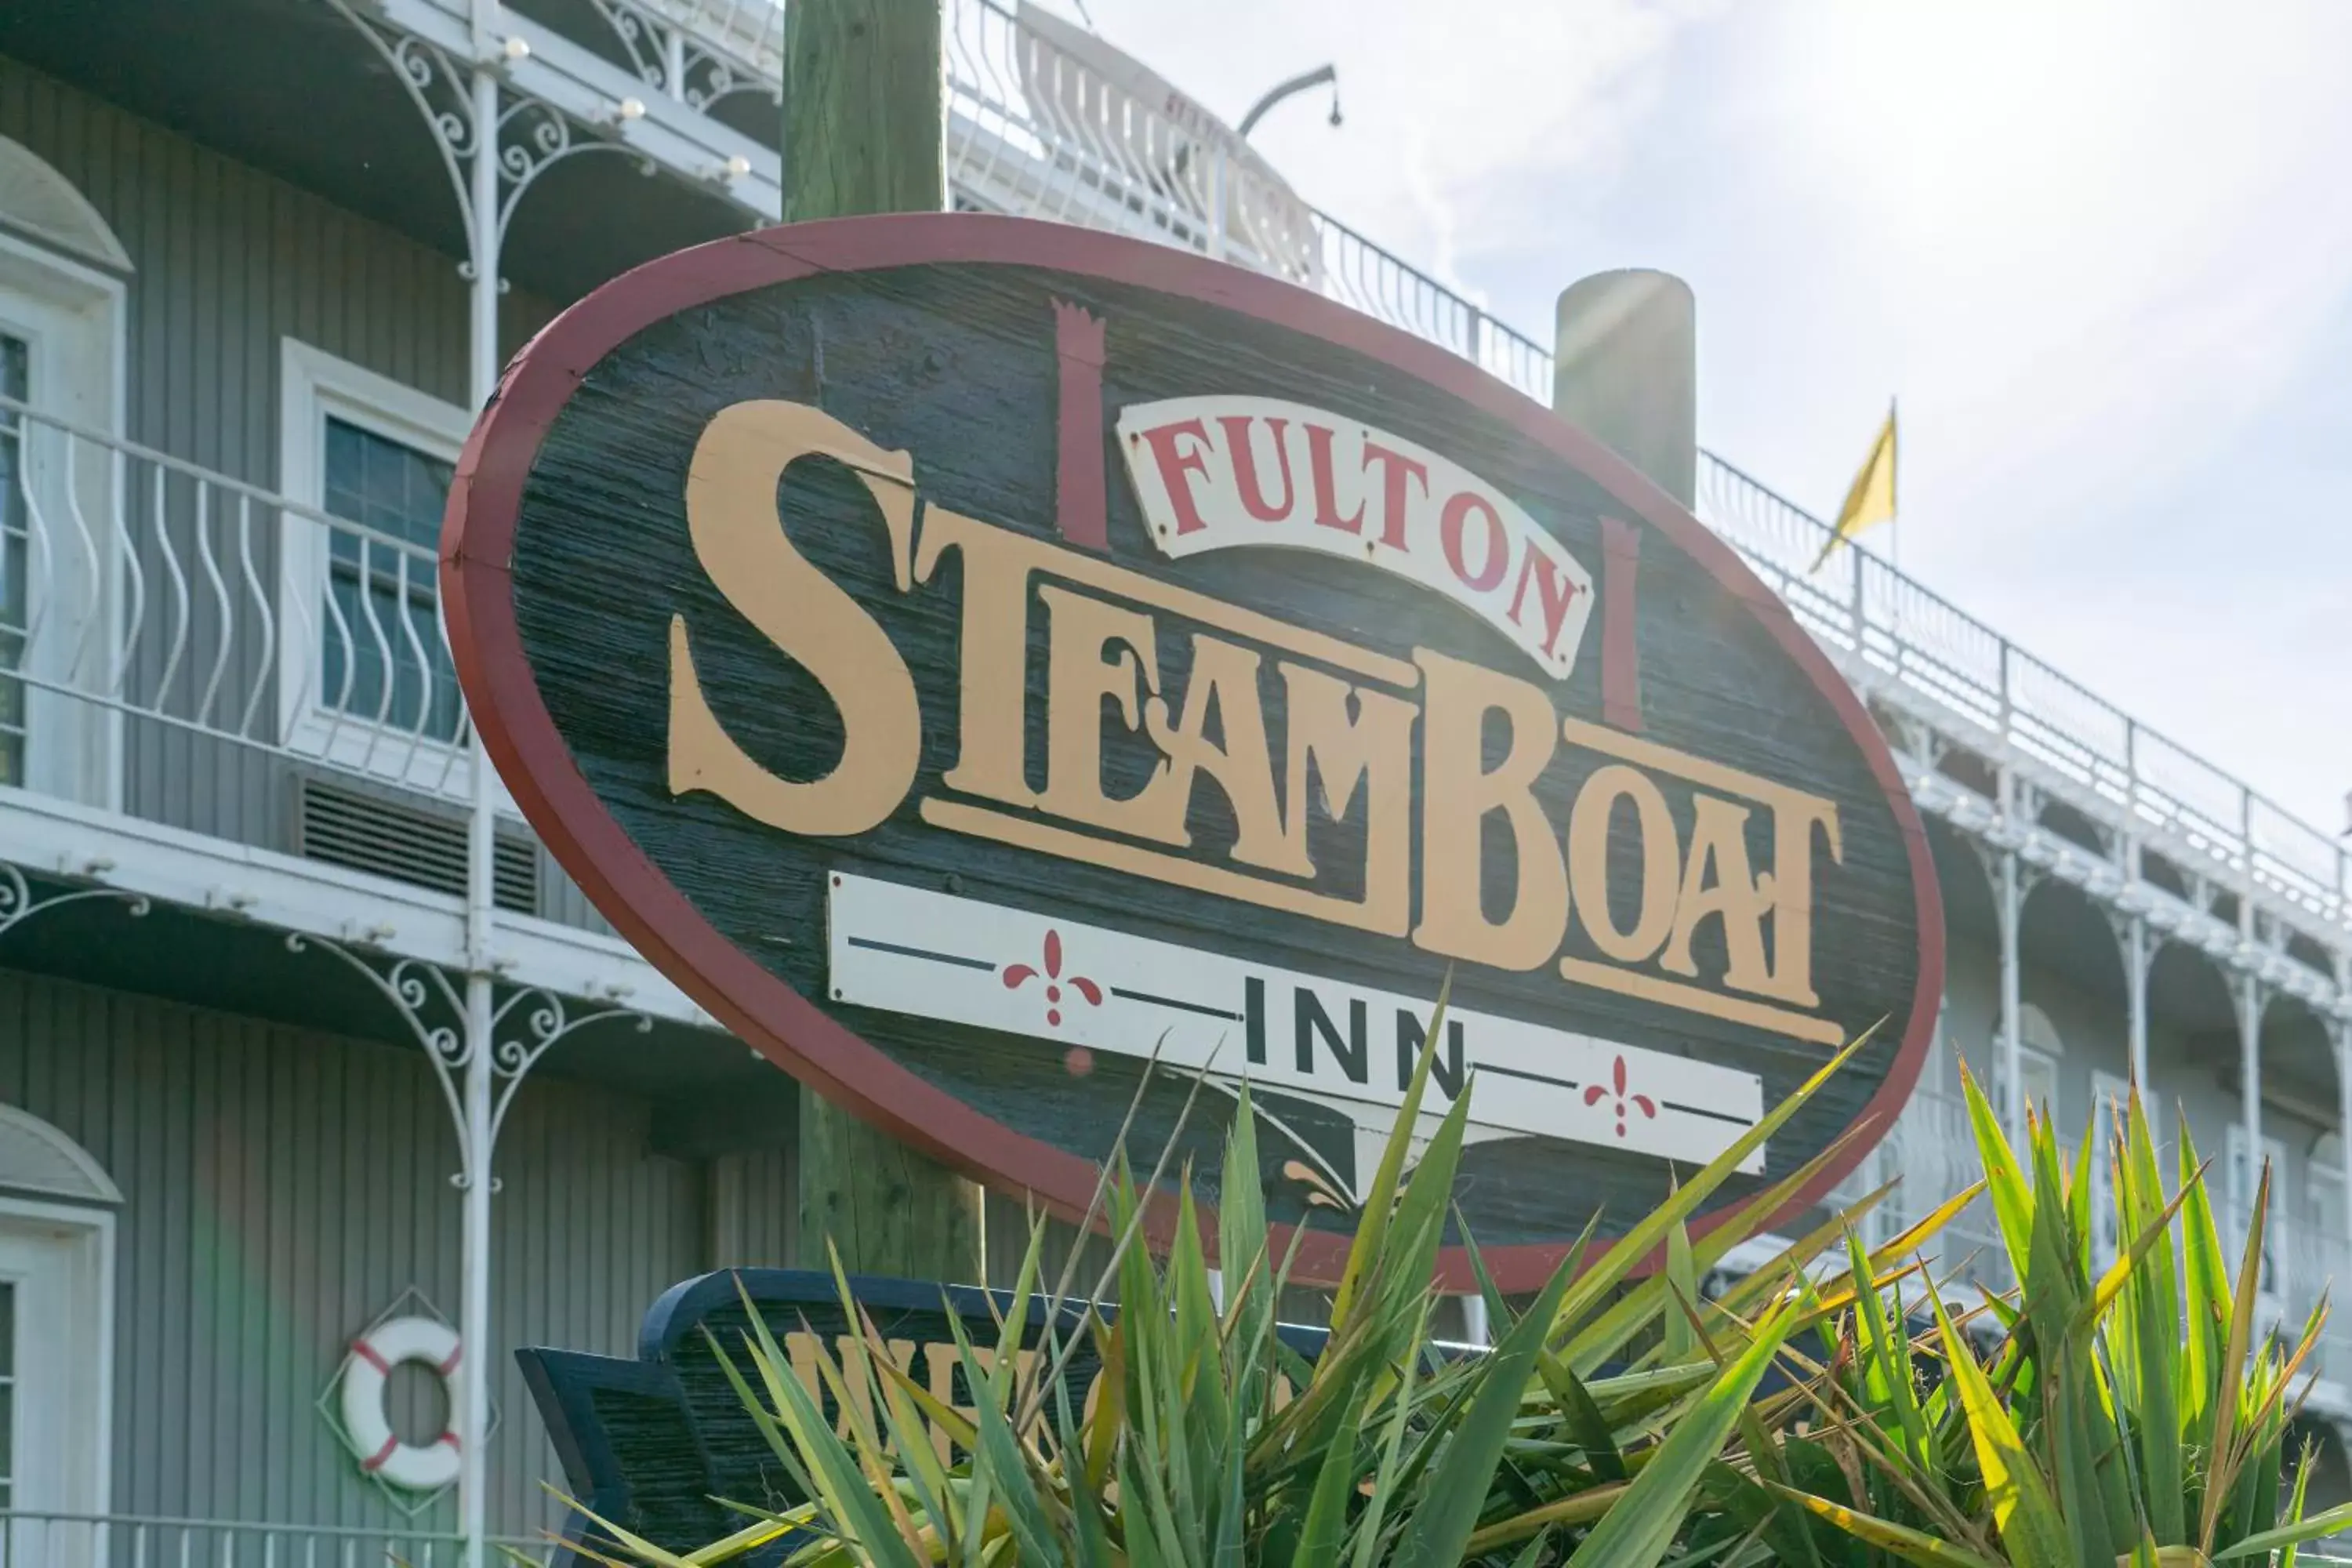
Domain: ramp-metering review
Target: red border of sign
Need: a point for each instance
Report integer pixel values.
(477, 581)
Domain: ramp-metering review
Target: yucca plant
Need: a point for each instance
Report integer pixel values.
(1584, 1435)
(2131, 1415)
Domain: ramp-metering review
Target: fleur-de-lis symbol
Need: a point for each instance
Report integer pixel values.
(1597, 1093)
(1016, 976)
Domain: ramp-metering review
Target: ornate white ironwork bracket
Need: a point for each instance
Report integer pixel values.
(525, 135)
(523, 1028)
(668, 58)
(19, 904)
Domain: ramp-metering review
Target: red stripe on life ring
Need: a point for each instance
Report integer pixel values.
(449, 1367)
(391, 1447)
(448, 1437)
(367, 1353)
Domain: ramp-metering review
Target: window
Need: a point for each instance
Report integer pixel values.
(2243, 1181)
(7, 1394)
(16, 539)
(368, 683)
(381, 657)
(2110, 1100)
(2039, 1071)
(61, 343)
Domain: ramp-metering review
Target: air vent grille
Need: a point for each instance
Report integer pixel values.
(363, 831)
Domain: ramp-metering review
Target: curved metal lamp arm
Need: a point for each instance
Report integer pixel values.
(1297, 84)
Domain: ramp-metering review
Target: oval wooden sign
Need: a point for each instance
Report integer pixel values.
(970, 655)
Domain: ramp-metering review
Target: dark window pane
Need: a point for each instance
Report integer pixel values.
(15, 381)
(382, 658)
(7, 1389)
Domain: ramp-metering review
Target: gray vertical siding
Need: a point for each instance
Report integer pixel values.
(754, 1210)
(280, 1189)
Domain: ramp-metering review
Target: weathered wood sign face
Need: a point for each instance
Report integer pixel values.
(972, 656)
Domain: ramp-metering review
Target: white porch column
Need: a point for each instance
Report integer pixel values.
(2135, 966)
(2250, 1086)
(2009, 896)
(2343, 1039)
(474, 1311)
(1475, 1329)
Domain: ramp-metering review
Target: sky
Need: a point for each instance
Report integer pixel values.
(2101, 251)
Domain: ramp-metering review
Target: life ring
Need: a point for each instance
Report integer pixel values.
(367, 1425)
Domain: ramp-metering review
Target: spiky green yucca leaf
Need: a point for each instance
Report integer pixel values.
(1641, 1529)
(2102, 1427)
(1205, 1443)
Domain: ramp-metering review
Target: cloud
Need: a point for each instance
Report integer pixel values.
(1449, 107)
(2099, 249)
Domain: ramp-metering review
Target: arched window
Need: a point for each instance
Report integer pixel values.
(61, 323)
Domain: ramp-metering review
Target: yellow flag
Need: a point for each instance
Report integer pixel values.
(1872, 497)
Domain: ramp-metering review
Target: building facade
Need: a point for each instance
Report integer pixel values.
(302, 1030)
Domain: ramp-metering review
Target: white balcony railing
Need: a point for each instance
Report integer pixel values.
(158, 577)
(131, 1541)
(146, 590)
(1037, 130)
(1862, 607)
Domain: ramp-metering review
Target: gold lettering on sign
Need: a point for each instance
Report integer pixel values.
(731, 511)
(1588, 861)
(1099, 651)
(1371, 752)
(992, 744)
(1786, 892)
(1297, 733)
(1719, 840)
(1225, 680)
(1458, 795)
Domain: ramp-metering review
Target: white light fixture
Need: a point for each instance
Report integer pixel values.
(518, 47)
(738, 166)
(633, 109)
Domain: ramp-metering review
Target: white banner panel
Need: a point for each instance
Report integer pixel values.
(1216, 472)
(933, 955)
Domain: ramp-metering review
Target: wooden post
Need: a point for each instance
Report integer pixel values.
(864, 109)
(866, 132)
(1625, 367)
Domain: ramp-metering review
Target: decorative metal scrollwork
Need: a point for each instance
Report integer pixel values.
(19, 904)
(432, 1003)
(668, 58)
(527, 136)
(438, 86)
(707, 77)
(545, 1020)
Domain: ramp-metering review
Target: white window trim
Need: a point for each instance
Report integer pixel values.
(59, 295)
(2110, 1103)
(313, 385)
(2243, 1177)
(89, 1233)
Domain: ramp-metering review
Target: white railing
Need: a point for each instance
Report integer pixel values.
(30, 1539)
(1048, 123)
(163, 590)
(1035, 129)
(156, 590)
(1034, 134)
(1858, 605)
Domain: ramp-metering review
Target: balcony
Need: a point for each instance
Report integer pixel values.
(1045, 121)
(92, 1540)
(217, 697)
